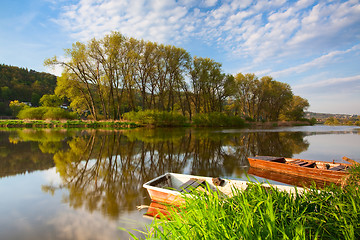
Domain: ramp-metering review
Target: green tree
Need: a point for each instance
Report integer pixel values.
(208, 85)
(332, 121)
(50, 101)
(294, 111)
(247, 95)
(17, 106)
(5, 93)
(35, 99)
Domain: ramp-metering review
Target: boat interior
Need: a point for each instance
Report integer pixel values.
(305, 163)
(187, 183)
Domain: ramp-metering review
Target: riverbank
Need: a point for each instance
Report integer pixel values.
(265, 213)
(17, 123)
(279, 124)
(66, 124)
(259, 213)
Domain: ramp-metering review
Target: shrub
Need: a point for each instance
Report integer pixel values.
(17, 106)
(40, 113)
(216, 119)
(32, 113)
(54, 113)
(157, 118)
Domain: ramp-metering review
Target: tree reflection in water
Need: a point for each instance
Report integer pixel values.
(104, 170)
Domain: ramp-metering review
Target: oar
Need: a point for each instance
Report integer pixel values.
(350, 160)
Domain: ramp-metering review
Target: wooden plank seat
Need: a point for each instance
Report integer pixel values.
(297, 162)
(271, 159)
(303, 163)
(337, 168)
(309, 165)
(191, 184)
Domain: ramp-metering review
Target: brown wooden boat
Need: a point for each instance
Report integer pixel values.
(319, 171)
(299, 181)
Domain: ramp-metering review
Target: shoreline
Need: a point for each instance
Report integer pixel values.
(17, 123)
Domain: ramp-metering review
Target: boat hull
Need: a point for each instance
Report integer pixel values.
(171, 195)
(318, 173)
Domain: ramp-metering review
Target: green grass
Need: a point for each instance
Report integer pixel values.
(65, 124)
(332, 213)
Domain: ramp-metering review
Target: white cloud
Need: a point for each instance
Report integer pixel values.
(260, 30)
(329, 82)
(157, 20)
(315, 63)
(210, 3)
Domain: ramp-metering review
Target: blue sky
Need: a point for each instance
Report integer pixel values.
(312, 45)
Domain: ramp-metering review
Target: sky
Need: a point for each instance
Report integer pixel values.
(314, 46)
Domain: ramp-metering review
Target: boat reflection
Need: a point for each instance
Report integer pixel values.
(287, 178)
(159, 210)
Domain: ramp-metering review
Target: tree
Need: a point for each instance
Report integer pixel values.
(208, 85)
(5, 93)
(35, 99)
(246, 94)
(17, 106)
(259, 99)
(275, 95)
(50, 101)
(294, 111)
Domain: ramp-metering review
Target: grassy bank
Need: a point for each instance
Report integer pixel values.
(65, 124)
(258, 213)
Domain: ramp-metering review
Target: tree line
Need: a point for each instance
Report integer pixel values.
(107, 77)
(23, 85)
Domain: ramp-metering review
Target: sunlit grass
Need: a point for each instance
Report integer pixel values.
(66, 124)
(258, 213)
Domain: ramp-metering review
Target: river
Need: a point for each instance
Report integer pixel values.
(85, 184)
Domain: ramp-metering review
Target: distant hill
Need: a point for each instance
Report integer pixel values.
(23, 85)
(323, 116)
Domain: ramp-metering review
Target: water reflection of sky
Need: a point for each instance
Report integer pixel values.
(330, 147)
(310, 129)
(26, 212)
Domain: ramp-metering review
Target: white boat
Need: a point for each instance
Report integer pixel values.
(170, 187)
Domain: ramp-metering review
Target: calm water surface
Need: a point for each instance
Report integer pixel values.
(58, 184)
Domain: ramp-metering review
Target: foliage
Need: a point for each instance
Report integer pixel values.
(209, 85)
(312, 121)
(157, 118)
(354, 176)
(17, 106)
(110, 76)
(65, 124)
(217, 119)
(259, 99)
(24, 85)
(347, 121)
(45, 113)
(259, 213)
(294, 111)
(49, 100)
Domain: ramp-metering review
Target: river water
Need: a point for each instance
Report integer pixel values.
(85, 184)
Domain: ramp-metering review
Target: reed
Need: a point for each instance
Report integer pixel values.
(258, 213)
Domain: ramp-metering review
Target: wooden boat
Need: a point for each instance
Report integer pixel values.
(158, 210)
(170, 187)
(327, 172)
(299, 181)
